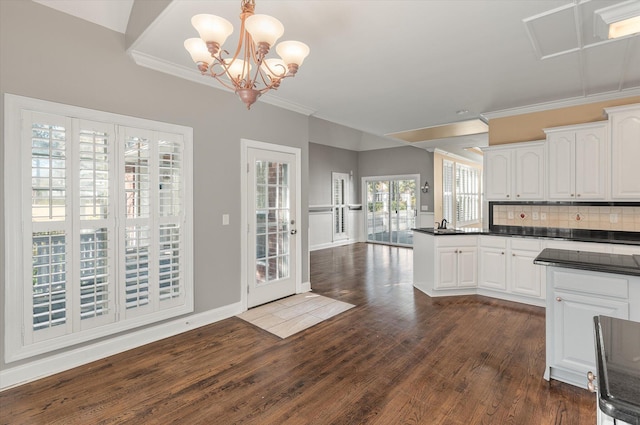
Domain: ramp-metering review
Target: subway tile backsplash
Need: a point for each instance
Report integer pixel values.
(568, 216)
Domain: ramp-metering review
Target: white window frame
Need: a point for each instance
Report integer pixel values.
(18, 323)
(450, 199)
(340, 209)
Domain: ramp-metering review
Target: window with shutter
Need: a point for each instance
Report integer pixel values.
(84, 277)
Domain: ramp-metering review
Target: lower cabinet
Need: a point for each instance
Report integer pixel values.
(507, 269)
(574, 298)
(456, 267)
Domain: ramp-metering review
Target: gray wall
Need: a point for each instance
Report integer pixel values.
(324, 160)
(398, 161)
(49, 55)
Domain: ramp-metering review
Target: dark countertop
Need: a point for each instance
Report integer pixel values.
(577, 235)
(593, 261)
(618, 368)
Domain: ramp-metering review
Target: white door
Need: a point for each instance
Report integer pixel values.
(272, 225)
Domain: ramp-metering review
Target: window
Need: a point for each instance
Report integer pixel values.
(460, 193)
(99, 224)
(340, 205)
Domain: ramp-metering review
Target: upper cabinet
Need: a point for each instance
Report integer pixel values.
(625, 151)
(514, 172)
(577, 158)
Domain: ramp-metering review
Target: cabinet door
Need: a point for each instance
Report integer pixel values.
(561, 154)
(467, 267)
(446, 275)
(574, 346)
(526, 277)
(591, 163)
(529, 171)
(625, 151)
(493, 269)
(498, 174)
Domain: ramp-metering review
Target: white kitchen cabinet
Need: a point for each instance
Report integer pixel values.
(456, 267)
(574, 297)
(625, 151)
(445, 265)
(497, 170)
(515, 172)
(493, 263)
(506, 269)
(526, 277)
(577, 161)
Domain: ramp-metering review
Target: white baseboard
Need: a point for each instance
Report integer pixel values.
(51, 365)
(332, 244)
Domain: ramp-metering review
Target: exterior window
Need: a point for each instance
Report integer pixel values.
(340, 205)
(460, 194)
(85, 277)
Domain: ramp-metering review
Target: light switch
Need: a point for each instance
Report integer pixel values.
(225, 219)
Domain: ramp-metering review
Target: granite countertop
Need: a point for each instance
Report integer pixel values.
(578, 235)
(593, 261)
(618, 368)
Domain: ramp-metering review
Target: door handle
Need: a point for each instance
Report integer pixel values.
(294, 231)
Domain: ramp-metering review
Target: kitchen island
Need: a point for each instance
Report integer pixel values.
(580, 286)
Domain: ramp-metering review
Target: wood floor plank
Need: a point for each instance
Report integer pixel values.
(398, 357)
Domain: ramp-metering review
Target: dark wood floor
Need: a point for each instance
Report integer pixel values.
(398, 357)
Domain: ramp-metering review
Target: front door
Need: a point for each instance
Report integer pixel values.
(272, 225)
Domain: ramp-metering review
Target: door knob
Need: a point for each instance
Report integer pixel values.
(294, 231)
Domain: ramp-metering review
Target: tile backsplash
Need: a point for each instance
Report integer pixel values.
(574, 216)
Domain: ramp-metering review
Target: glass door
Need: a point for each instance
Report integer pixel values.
(391, 210)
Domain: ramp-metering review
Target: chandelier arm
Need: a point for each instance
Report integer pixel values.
(221, 81)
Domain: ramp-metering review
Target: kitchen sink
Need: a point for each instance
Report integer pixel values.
(443, 231)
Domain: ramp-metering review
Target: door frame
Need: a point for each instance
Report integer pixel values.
(365, 206)
(245, 145)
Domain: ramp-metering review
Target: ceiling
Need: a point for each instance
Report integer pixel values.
(386, 67)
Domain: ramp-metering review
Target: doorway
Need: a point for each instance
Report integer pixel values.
(271, 210)
(391, 209)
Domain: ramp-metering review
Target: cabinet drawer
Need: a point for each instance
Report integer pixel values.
(456, 241)
(526, 244)
(493, 242)
(591, 283)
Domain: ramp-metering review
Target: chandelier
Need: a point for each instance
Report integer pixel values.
(248, 73)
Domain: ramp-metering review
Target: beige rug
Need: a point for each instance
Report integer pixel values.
(293, 314)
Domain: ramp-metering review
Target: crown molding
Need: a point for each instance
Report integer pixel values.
(565, 103)
(195, 76)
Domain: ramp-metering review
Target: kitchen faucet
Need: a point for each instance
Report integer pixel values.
(442, 225)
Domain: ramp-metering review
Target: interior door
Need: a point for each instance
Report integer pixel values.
(272, 225)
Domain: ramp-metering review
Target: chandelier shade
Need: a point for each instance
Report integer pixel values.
(248, 72)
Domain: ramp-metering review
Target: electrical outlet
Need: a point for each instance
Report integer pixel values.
(543, 216)
(510, 215)
(535, 215)
(225, 219)
(613, 218)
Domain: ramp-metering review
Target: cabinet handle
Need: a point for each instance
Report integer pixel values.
(518, 195)
(558, 299)
(508, 196)
(502, 253)
(572, 195)
(513, 255)
(578, 195)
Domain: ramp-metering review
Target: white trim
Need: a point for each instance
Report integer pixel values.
(192, 74)
(245, 145)
(18, 375)
(565, 103)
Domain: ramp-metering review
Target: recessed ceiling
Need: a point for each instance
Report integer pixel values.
(390, 66)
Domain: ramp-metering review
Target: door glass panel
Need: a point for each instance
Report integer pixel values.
(272, 221)
(391, 211)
